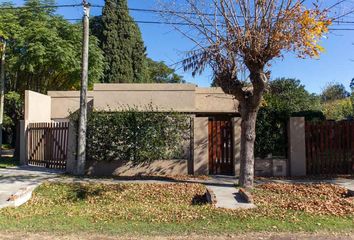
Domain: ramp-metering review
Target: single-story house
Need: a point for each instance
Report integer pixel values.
(216, 129)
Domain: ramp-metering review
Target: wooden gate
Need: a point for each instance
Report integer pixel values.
(329, 147)
(47, 144)
(221, 159)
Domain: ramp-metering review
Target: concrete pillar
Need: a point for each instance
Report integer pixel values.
(236, 125)
(23, 143)
(297, 154)
(201, 147)
(72, 146)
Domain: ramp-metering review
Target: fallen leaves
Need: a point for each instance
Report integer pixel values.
(173, 202)
(181, 203)
(316, 199)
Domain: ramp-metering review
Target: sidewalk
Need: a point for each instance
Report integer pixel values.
(18, 179)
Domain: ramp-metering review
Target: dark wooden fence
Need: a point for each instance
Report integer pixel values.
(220, 147)
(329, 147)
(48, 144)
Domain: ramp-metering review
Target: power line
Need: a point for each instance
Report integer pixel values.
(338, 22)
(39, 7)
(187, 24)
(149, 10)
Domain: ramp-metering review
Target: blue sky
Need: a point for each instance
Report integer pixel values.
(336, 64)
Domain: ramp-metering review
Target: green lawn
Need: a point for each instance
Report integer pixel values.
(159, 209)
(8, 162)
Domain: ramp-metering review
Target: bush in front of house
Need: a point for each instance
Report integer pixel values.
(285, 98)
(137, 136)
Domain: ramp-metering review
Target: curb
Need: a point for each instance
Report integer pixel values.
(20, 197)
(210, 195)
(246, 195)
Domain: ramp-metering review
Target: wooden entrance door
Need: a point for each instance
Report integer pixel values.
(221, 159)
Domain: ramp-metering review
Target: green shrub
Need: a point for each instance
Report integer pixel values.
(338, 109)
(271, 136)
(138, 136)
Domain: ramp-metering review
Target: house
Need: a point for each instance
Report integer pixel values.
(214, 147)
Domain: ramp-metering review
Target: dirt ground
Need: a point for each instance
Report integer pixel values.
(248, 236)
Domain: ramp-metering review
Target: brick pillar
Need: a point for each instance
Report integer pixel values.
(236, 125)
(297, 154)
(201, 147)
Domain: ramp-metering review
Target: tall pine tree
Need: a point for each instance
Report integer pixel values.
(123, 47)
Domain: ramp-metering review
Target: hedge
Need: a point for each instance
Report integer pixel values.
(136, 136)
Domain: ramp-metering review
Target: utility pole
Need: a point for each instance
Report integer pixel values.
(81, 148)
(2, 88)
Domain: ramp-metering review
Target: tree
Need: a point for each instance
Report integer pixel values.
(122, 44)
(44, 50)
(334, 91)
(159, 72)
(235, 36)
(284, 97)
(13, 111)
(289, 95)
(338, 109)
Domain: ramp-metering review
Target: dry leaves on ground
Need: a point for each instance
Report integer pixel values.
(321, 199)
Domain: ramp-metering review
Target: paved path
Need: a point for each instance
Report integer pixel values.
(13, 180)
(226, 193)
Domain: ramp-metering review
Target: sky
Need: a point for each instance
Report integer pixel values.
(163, 43)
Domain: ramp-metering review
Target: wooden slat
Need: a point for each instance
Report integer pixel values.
(329, 147)
(220, 155)
(47, 144)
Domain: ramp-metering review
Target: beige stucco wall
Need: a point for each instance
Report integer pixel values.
(66, 102)
(37, 107)
(166, 97)
(236, 126)
(201, 146)
(116, 168)
(214, 100)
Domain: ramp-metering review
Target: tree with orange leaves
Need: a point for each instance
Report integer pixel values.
(234, 37)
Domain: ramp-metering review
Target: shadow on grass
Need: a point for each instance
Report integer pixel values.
(82, 192)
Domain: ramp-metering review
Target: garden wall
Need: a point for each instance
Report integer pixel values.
(119, 168)
(271, 167)
(64, 103)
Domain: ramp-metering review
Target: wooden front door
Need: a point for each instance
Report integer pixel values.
(221, 161)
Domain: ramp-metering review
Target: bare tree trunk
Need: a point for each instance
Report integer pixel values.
(249, 110)
(248, 136)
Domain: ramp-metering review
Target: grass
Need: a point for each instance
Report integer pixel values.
(6, 162)
(155, 209)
